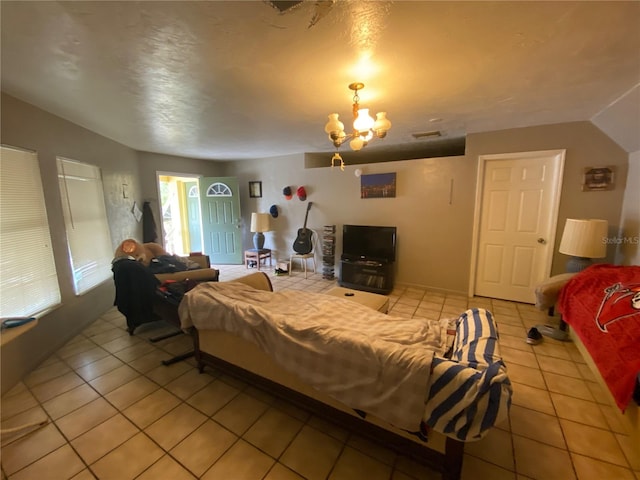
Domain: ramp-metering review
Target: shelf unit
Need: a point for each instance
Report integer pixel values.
(328, 252)
(370, 276)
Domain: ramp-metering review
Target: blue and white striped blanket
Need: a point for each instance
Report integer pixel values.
(470, 392)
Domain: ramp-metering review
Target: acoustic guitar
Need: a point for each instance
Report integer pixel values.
(302, 243)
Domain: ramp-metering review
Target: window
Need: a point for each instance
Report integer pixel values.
(219, 190)
(85, 219)
(28, 280)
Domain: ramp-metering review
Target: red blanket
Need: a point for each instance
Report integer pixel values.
(602, 305)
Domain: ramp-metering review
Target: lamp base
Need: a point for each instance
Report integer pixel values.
(258, 240)
(577, 264)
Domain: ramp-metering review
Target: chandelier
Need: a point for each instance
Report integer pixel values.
(364, 126)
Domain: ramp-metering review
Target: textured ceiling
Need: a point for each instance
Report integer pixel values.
(230, 80)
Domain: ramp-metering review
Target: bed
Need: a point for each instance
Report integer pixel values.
(388, 377)
(601, 305)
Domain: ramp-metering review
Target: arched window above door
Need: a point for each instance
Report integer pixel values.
(219, 189)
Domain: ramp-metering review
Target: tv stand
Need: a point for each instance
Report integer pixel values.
(367, 275)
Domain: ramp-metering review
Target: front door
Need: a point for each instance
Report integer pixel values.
(192, 194)
(520, 194)
(220, 209)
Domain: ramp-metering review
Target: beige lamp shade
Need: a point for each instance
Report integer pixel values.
(260, 222)
(584, 238)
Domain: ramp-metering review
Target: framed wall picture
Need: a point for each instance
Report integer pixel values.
(255, 189)
(378, 185)
(598, 178)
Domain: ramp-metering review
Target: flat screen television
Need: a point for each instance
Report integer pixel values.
(364, 242)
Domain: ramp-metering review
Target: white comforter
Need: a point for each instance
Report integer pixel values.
(367, 360)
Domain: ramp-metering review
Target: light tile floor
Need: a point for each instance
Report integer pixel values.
(116, 413)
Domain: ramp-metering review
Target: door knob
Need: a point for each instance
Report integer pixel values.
(542, 241)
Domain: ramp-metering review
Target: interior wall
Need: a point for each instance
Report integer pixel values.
(434, 236)
(586, 146)
(152, 163)
(628, 239)
(27, 127)
(433, 233)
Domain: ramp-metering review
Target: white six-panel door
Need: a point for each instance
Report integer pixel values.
(516, 223)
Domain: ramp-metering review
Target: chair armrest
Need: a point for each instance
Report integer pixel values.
(547, 292)
(202, 260)
(257, 280)
(200, 275)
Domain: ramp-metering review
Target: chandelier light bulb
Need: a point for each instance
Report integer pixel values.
(357, 143)
(381, 125)
(363, 121)
(334, 124)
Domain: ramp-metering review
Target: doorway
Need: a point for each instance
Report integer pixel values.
(517, 200)
(201, 215)
(180, 213)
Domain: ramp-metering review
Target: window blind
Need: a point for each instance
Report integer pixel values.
(85, 219)
(28, 279)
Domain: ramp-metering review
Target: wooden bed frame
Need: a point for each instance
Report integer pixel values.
(631, 417)
(244, 360)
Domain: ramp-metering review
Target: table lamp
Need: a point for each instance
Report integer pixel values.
(583, 240)
(259, 224)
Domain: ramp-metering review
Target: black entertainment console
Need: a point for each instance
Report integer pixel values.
(371, 276)
(368, 258)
